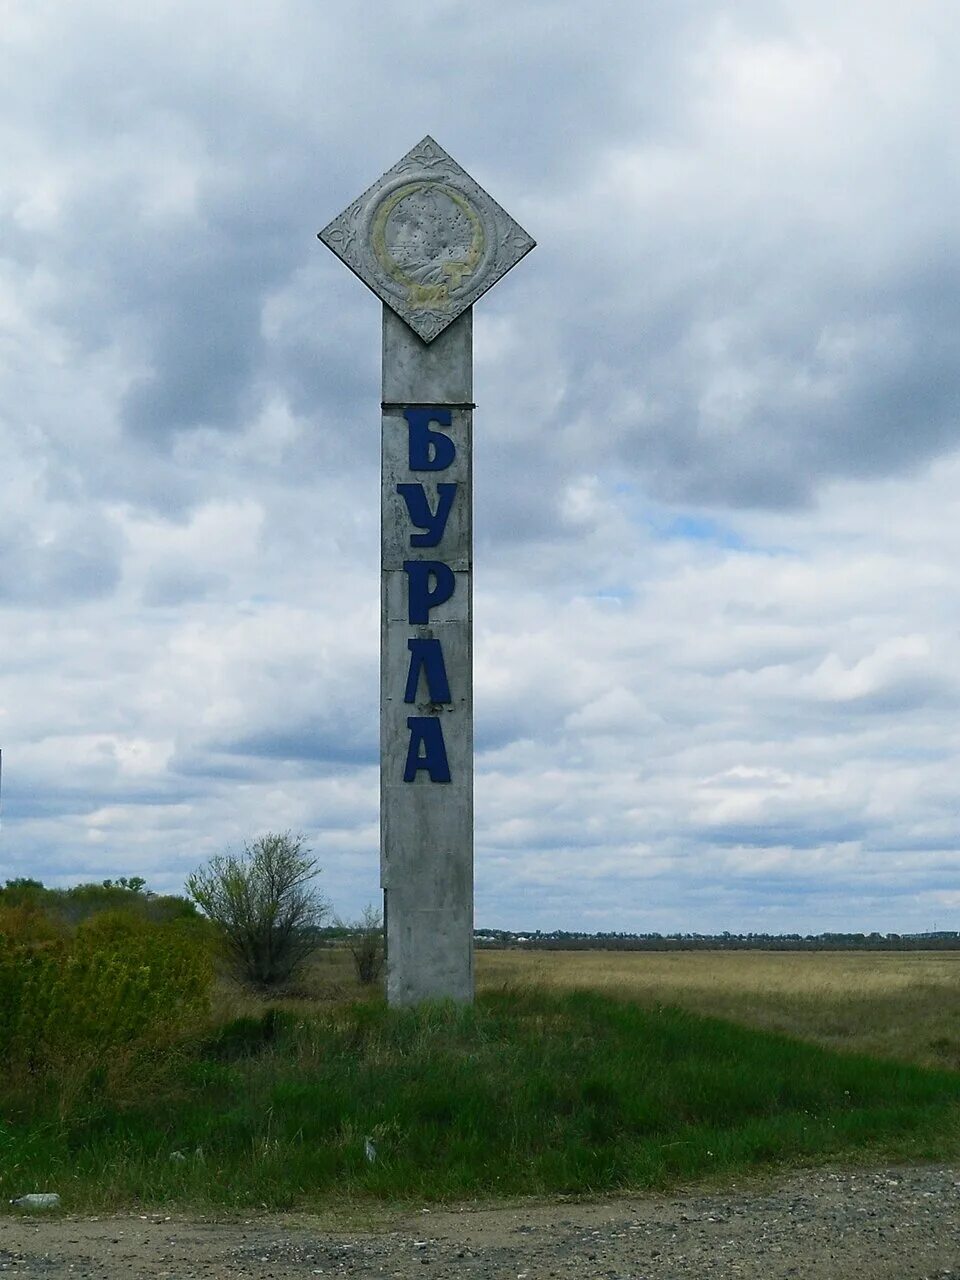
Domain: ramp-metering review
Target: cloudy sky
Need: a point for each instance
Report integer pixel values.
(717, 564)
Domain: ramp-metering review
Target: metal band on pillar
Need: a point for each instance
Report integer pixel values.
(428, 241)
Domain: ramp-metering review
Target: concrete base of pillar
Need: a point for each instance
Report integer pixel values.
(426, 953)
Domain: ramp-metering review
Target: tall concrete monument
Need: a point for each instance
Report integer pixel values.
(428, 241)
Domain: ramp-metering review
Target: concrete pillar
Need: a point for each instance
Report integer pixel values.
(429, 241)
(426, 661)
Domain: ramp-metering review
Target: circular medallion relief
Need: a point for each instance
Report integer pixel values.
(430, 241)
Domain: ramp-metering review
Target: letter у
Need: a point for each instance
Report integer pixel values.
(418, 507)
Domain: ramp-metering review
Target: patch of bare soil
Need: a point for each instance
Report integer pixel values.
(892, 1224)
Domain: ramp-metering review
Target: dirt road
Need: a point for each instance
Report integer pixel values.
(891, 1224)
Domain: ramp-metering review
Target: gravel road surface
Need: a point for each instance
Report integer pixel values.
(889, 1224)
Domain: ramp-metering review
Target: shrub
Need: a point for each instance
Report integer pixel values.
(72, 1002)
(262, 903)
(366, 944)
(27, 925)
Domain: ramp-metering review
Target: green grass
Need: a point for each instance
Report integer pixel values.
(527, 1093)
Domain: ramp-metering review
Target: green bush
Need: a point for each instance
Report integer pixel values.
(26, 924)
(262, 902)
(69, 1002)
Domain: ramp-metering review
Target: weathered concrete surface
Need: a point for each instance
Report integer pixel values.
(426, 827)
(442, 371)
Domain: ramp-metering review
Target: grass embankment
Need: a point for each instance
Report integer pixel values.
(527, 1093)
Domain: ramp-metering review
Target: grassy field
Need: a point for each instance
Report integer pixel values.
(576, 1073)
(527, 1093)
(903, 1005)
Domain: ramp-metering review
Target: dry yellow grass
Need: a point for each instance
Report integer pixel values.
(902, 1005)
(328, 979)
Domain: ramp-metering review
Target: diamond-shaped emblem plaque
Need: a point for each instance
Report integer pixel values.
(427, 239)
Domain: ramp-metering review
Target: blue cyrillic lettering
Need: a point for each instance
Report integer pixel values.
(427, 656)
(429, 450)
(429, 583)
(427, 750)
(418, 508)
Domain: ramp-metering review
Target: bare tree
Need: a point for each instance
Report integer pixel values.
(264, 906)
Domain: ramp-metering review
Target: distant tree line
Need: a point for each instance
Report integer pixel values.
(563, 940)
(81, 901)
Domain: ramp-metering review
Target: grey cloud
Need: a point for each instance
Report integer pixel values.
(203, 321)
(172, 585)
(23, 800)
(212, 765)
(807, 417)
(901, 697)
(79, 560)
(327, 744)
(811, 831)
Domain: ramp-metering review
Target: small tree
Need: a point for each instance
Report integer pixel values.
(262, 903)
(365, 943)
